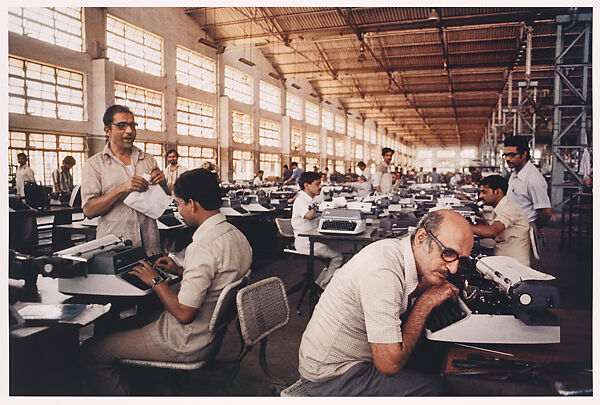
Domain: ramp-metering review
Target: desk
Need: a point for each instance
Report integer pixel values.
(575, 346)
(369, 235)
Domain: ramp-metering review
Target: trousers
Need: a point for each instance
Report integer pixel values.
(336, 261)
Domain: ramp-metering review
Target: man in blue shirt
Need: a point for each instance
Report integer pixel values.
(296, 175)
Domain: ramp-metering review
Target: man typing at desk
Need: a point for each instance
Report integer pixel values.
(109, 176)
(356, 343)
(305, 219)
(218, 255)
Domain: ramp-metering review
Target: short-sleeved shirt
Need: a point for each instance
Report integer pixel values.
(383, 178)
(367, 174)
(362, 304)
(435, 177)
(363, 189)
(287, 173)
(24, 173)
(101, 174)
(301, 224)
(171, 176)
(257, 181)
(296, 175)
(529, 190)
(63, 179)
(218, 255)
(513, 241)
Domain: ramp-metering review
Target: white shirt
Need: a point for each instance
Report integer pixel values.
(367, 174)
(363, 189)
(383, 178)
(24, 173)
(257, 181)
(173, 175)
(301, 224)
(528, 189)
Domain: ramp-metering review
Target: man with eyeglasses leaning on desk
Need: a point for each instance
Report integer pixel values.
(109, 176)
(361, 333)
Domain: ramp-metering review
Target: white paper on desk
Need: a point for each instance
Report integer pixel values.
(152, 202)
(499, 268)
(90, 314)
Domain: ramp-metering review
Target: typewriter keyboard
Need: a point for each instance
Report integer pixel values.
(338, 225)
(445, 314)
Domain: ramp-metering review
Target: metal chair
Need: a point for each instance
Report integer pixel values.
(297, 389)
(225, 311)
(262, 309)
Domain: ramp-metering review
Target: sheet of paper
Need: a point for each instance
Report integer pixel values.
(152, 202)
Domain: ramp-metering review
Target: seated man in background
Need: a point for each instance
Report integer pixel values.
(362, 186)
(218, 255)
(258, 180)
(509, 227)
(361, 333)
(62, 177)
(305, 219)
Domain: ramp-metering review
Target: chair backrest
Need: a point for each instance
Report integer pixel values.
(225, 310)
(262, 309)
(284, 226)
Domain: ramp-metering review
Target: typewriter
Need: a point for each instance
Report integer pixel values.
(500, 301)
(341, 221)
(232, 207)
(254, 203)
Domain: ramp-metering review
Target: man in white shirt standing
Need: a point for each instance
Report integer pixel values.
(365, 171)
(174, 169)
(382, 179)
(526, 185)
(258, 180)
(305, 219)
(24, 173)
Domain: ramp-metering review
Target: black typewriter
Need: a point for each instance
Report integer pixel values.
(125, 273)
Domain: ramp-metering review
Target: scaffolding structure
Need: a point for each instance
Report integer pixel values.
(571, 105)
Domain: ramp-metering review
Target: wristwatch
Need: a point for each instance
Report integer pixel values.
(157, 280)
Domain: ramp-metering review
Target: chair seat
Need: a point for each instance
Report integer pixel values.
(294, 252)
(295, 390)
(195, 365)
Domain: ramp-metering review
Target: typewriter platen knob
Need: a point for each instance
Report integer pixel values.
(525, 299)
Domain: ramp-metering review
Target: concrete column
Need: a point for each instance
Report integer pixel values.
(224, 134)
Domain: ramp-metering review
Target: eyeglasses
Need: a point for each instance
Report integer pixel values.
(122, 125)
(448, 255)
(510, 154)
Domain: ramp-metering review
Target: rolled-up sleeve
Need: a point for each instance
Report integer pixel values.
(91, 182)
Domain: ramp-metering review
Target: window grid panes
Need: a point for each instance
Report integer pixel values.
(145, 104)
(46, 153)
(270, 163)
(311, 113)
(296, 139)
(192, 157)
(195, 119)
(312, 142)
(242, 128)
(359, 132)
(351, 128)
(446, 153)
(373, 137)
(270, 97)
(238, 85)
(425, 153)
(293, 106)
(310, 162)
(133, 47)
(62, 26)
(327, 119)
(268, 133)
(195, 70)
(242, 165)
(339, 166)
(467, 153)
(330, 146)
(154, 149)
(358, 151)
(339, 147)
(44, 91)
(340, 124)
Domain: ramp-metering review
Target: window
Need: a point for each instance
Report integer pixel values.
(46, 153)
(268, 133)
(310, 162)
(192, 157)
(340, 124)
(467, 153)
(195, 70)
(359, 132)
(62, 26)
(242, 165)
(339, 166)
(330, 146)
(298, 159)
(444, 166)
(312, 142)
(195, 119)
(327, 119)
(425, 153)
(242, 128)
(293, 106)
(311, 113)
(145, 104)
(372, 136)
(442, 153)
(270, 163)
(358, 151)
(339, 147)
(296, 139)
(270, 97)
(351, 129)
(154, 149)
(44, 91)
(133, 47)
(238, 85)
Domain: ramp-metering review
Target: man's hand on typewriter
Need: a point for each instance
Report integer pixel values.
(167, 264)
(437, 294)
(144, 272)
